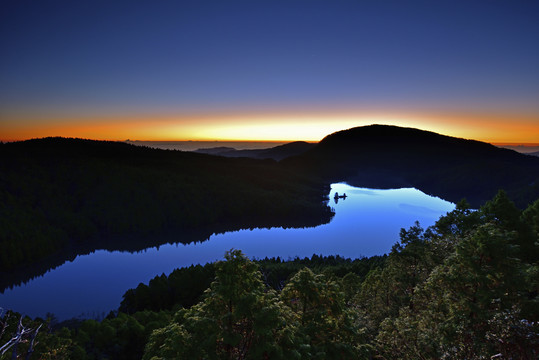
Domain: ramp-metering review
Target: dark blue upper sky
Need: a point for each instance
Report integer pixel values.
(81, 58)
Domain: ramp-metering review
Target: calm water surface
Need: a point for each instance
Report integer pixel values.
(366, 223)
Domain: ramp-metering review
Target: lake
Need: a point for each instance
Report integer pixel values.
(366, 223)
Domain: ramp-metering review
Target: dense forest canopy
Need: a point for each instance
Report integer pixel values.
(465, 288)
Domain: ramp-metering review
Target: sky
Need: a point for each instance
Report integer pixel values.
(267, 70)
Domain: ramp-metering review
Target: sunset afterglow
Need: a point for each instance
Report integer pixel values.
(272, 127)
(267, 71)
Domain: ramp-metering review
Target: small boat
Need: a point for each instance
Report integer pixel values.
(337, 196)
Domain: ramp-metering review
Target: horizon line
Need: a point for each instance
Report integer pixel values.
(495, 143)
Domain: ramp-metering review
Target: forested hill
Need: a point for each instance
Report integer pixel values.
(61, 197)
(449, 167)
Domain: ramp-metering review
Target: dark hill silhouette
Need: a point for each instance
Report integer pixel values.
(62, 197)
(276, 153)
(449, 167)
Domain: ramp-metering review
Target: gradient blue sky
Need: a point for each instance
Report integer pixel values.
(234, 69)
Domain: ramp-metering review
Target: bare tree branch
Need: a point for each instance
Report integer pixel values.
(22, 335)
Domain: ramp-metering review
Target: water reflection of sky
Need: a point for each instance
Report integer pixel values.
(366, 223)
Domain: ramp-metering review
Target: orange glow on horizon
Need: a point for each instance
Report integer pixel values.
(494, 128)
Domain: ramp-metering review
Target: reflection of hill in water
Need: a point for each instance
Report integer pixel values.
(135, 243)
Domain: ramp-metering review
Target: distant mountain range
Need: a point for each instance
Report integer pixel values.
(449, 167)
(276, 153)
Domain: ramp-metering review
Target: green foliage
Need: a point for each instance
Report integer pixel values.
(386, 291)
(457, 222)
(327, 326)
(40, 341)
(185, 286)
(502, 211)
(479, 280)
(476, 301)
(531, 217)
(238, 319)
(116, 337)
